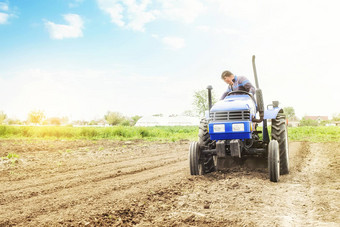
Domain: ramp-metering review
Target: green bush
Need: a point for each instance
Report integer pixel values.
(126, 122)
(308, 122)
(89, 132)
(143, 132)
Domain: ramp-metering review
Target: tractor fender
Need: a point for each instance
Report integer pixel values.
(272, 113)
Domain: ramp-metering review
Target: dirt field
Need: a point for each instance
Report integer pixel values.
(87, 183)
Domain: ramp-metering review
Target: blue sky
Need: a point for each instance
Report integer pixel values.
(82, 58)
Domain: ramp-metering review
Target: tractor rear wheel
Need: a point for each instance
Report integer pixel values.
(280, 134)
(273, 161)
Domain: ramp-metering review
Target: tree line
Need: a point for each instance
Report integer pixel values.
(198, 109)
(38, 117)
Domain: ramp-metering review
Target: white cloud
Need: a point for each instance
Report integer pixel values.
(3, 6)
(128, 13)
(132, 15)
(114, 9)
(174, 43)
(186, 11)
(242, 9)
(3, 18)
(71, 30)
(75, 3)
(205, 28)
(139, 15)
(155, 36)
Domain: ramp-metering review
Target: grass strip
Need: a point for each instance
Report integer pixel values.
(162, 133)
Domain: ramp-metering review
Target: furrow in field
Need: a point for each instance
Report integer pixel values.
(72, 179)
(83, 164)
(106, 190)
(31, 182)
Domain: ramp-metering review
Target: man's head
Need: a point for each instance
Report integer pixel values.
(228, 77)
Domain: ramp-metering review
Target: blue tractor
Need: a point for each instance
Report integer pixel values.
(229, 133)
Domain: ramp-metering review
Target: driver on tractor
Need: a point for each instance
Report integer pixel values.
(236, 83)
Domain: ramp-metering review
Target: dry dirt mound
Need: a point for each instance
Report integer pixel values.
(142, 183)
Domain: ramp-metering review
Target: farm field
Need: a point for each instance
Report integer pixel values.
(147, 183)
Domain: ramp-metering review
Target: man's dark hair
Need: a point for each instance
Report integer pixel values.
(226, 74)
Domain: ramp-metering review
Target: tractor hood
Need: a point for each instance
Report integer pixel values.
(235, 103)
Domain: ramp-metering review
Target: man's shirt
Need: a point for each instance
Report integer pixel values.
(241, 83)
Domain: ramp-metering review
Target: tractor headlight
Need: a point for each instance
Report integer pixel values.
(219, 128)
(238, 127)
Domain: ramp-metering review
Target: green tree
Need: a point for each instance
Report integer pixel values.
(3, 117)
(135, 119)
(36, 117)
(201, 103)
(290, 113)
(336, 117)
(114, 118)
(14, 122)
(126, 122)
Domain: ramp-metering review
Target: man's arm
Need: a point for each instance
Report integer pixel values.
(250, 88)
(247, 85)
(226, 93)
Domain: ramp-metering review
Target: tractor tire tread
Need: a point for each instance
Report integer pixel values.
(204, 140)
(273, 153)
(278, 133)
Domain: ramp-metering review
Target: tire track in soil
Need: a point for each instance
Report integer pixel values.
(314, 196)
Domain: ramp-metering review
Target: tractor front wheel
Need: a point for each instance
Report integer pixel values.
(195, 160)
(200, 163)
(273, 161)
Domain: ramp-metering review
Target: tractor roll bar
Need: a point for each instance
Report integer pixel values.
(255, 73)
(259, 96)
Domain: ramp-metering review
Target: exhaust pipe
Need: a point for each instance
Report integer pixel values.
(209, 97)
(259, 96)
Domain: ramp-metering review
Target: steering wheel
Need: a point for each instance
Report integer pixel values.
(242, 92)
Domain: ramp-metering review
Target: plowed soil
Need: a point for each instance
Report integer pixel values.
(110, 183)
